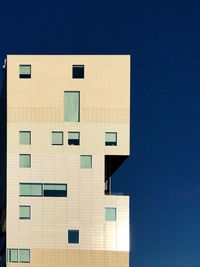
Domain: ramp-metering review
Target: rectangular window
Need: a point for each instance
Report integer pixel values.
(46, 190)
(12, 255)
(55, 190)
(74, 138)
(71, 106)
(57, 138)
(33, 190)
(25, 212)
(25, 137)
(25, 71)
(24, 255)
(110, 214)
(25, 161)
(78, 71)
(86, 162)
(73, 236)
(111, 139)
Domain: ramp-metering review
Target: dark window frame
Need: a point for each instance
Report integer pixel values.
(74, 142)
(111, 143)
(27, 218)
(70, 238)
(62, 138)
(25, 76)
(78, 71)
(30, 138)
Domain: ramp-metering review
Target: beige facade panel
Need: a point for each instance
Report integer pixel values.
(76, 258)
(92, 138)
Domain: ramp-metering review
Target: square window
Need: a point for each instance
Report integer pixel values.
(78, 71)
(24, 255)
(110, 214)
(86, 162)
(74, 138)
(12, 255)
(110, 138)
(25, 212)
(25, 161)
(57, 138)
(25, 71)
(25, 137)
(73, 236)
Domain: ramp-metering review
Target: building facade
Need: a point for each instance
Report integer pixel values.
(68, 130)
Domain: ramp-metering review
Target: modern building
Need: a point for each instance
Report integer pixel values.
(65, 130)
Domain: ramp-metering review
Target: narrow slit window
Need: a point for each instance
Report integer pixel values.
(110, 138)
(71, 106)
(74, 138)
(78, 71)
(25, 71)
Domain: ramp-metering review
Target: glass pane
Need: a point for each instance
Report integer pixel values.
(25, 189)
(71, 106)
(25, 138)
(24, 255)
(78, 71)
(24, 212)
(25, 160)
(73, 236)
(111, 137)
(55, 190)
(110, 214)
(57, 138)
(25, 69)
(13, 255)
(36, 189)
(73, 135)
(86, 162)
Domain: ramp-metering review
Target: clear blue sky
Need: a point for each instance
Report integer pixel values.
(163, 173)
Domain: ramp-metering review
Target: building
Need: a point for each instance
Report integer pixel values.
(67, 131)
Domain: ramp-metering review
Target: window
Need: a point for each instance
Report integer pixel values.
(34, 190)
(71, 106)
(86, 162)
(57, 138)
(78, 71)
(39, 190)
(25, 161)
(25, 137)
(25, 212)
(73, 236)
(12, 255)
(110, 214)
(55, 190)
(18, 255)
(25, 71)
(74, 138)
(111, 139)
(24, 255)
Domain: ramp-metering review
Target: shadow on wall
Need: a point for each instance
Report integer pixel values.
(3, 138)
(112, 163)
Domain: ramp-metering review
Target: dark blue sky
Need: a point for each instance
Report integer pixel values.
(163, 173)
